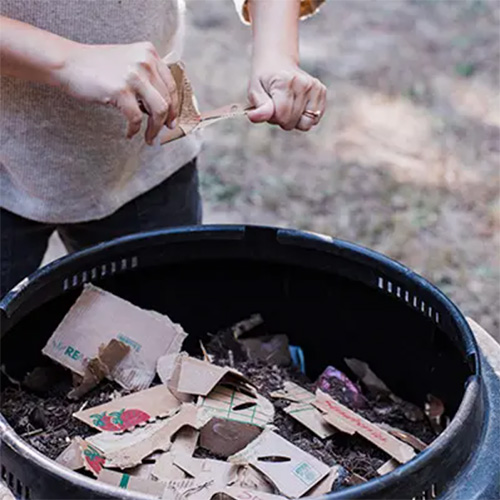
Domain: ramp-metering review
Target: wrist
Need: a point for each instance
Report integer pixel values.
(58, 67)
(274, 61)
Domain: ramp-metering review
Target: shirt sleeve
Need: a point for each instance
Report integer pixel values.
(307, 8)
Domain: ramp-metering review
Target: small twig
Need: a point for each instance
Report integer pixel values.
(41, 432)
(31, 433)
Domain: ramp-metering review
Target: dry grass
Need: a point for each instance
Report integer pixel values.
(406, 160)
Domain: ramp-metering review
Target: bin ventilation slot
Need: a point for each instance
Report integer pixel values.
(429, 494)
(415, 301)
(15, 485)
(99, 272)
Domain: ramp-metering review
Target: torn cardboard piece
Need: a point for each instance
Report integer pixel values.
(251, 479)
(230, 403)
(128, 482)
(204, 469)
(302, 410)
(173, 381)
(387, 467)
(126, 412)
(272, 349)
(165, 469)
(325, 486)
(246, 325)
(290, 469)
(166, 364)
(71, 457)
(189, 118)
(100, 367)
(184, 443)
(363, 371)
(378, 388)
(198, 377)
(350, 422)
(294, 392)
(93, 458)
(404, 436)
(236, 493)
(96, 318)
(144, 470)
(434, 410)
(192, 489)
(128, 449)
(226, 437)
(310, 417)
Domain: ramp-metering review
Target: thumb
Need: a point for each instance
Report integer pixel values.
(264, 106)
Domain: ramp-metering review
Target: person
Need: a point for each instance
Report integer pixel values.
(66, 163)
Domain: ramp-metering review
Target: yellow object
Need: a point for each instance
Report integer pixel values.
(307, 8)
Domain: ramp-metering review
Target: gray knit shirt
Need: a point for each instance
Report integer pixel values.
(62, 160)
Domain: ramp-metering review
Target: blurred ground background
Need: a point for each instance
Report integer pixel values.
(406, 160)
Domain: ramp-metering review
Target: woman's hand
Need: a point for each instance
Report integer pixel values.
(285, 95)
(123, 76)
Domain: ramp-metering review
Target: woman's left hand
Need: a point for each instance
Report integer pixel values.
(285, 95)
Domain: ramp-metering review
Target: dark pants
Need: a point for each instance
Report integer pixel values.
(175, 202)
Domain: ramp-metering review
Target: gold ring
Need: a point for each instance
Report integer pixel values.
(311, 113)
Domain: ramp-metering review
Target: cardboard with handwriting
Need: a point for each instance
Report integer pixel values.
(96, 318)
(230, 403)
(199, 377)
(350, 422)
(126, 412)
(128, 482)
(292, 470)
(192, 488)
(128, 449)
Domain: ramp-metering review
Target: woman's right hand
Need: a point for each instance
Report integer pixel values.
(123, 76)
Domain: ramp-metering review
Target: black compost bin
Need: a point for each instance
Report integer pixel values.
(335, 299)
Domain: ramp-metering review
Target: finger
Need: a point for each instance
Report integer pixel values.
(264, 106)
(169, 82)
(157, 108)
(301, 87)
(283, 106)
(315, 102)
(128, 105)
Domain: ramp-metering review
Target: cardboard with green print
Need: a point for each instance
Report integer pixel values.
(128, 482)
(96, 318)
(126, 412)
(292, 470)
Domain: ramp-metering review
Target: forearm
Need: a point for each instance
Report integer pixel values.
(275, 28)
(31, 53)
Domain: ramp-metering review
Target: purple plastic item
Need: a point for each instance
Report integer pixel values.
(338, 385)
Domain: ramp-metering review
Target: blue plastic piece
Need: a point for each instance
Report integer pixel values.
(298, 359)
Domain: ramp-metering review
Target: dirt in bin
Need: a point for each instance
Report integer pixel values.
(45, 420)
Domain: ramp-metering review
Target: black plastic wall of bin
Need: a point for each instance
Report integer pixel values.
(333, 298)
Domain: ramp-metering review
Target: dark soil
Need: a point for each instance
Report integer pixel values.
(45, 419)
